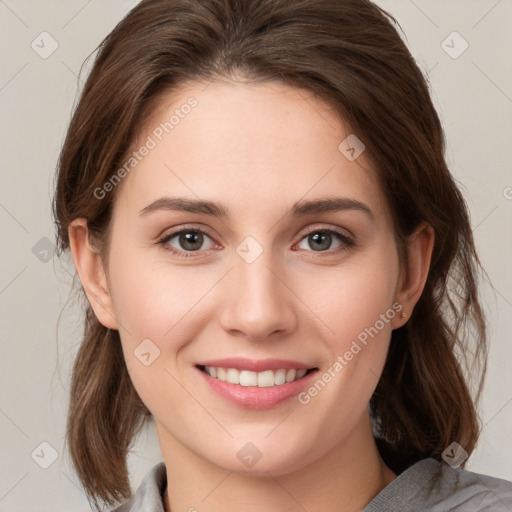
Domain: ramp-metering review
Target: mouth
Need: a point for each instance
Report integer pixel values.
(263, 379)
(255, 383)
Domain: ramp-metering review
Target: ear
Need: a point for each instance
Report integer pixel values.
(90, 269)
(410, 287)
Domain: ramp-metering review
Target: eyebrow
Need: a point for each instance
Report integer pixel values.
(298, 209)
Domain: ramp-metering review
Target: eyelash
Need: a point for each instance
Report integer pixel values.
(163, 241)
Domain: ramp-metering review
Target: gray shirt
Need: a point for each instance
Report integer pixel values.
(428, 485)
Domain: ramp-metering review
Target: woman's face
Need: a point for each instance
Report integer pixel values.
(260, 278)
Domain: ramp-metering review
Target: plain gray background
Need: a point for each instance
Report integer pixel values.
(472, 93)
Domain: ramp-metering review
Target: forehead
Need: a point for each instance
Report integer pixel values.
(232, 141)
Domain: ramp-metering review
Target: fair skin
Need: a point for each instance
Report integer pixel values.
(257, 150)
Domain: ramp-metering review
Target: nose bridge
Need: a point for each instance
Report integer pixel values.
(258, 303)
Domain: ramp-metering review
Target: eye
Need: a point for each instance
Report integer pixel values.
(186, 241)
(320, 240)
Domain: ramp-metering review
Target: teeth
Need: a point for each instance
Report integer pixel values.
(279, 377)
(290, 375)
(246, 378)
(232, 376)
(264, 379)
(300, 373)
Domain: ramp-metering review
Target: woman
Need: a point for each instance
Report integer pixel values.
(279, 266)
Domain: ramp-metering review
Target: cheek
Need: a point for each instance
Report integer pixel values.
(151, 301)
(353, 299)
(355, 308)
(154, 308)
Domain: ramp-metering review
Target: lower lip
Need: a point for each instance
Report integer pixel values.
(254, 397)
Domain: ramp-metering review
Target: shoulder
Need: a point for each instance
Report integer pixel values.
(149, 494)
(436, 487)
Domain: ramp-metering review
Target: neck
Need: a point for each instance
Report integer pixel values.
(345, 479)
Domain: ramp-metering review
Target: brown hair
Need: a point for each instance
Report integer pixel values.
(350, 54)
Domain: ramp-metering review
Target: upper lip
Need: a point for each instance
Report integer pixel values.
(255, 365)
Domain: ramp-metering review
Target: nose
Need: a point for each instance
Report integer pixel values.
(258, 304)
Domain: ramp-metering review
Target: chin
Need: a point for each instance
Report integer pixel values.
(260, 459)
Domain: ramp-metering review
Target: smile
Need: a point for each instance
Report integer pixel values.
(254, 383)
(263, 379)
